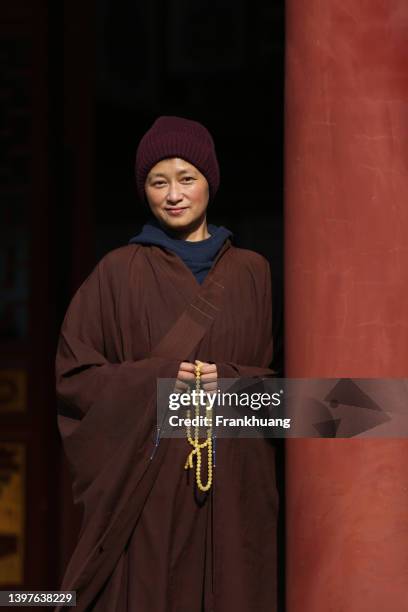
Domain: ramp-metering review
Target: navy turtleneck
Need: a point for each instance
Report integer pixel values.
(198, 255)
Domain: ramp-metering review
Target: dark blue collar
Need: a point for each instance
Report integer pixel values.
(198, 255)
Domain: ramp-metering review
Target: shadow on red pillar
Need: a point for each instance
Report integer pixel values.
(346, 260)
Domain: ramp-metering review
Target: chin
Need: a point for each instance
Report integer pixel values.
(183, 221)
(177, 224)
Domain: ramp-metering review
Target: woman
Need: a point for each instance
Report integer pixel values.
(179, 293)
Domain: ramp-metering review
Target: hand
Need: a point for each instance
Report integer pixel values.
(186, 376)
(208, 376)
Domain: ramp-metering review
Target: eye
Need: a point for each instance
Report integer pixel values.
(188, 178)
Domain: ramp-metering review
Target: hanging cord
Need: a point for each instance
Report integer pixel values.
(197, 446)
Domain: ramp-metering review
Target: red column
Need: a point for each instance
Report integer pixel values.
(346, 270)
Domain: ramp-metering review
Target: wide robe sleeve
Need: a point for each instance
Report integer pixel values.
(264, 339)
(107, 422)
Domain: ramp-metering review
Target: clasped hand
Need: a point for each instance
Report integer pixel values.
(186, 376)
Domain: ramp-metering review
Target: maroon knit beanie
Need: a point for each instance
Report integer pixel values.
(172, 136)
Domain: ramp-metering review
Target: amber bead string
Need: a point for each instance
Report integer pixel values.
(195, 443)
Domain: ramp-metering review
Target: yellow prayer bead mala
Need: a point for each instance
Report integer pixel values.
(197, 446)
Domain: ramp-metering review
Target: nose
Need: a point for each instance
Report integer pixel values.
(174, 193)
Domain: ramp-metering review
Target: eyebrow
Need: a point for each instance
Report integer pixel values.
(156, 174)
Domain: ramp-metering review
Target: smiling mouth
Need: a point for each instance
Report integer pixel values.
(178, 209)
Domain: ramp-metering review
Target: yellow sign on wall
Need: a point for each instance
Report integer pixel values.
(12, 513)
(13, 390)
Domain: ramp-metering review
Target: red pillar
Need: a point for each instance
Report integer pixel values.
(346, 265)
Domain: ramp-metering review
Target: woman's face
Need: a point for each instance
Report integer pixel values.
(177, 193)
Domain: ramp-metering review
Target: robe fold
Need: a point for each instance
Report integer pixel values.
(149, 540)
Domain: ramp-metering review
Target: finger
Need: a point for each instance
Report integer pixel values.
(186, 376)
(211, 386)
(181, 386)
(205, 378)
(187, 366)
(207, 368)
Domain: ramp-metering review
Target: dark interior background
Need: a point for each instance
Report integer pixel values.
(221, 65)
(80, 84)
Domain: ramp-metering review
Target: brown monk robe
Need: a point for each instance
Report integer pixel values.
(149, 542)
